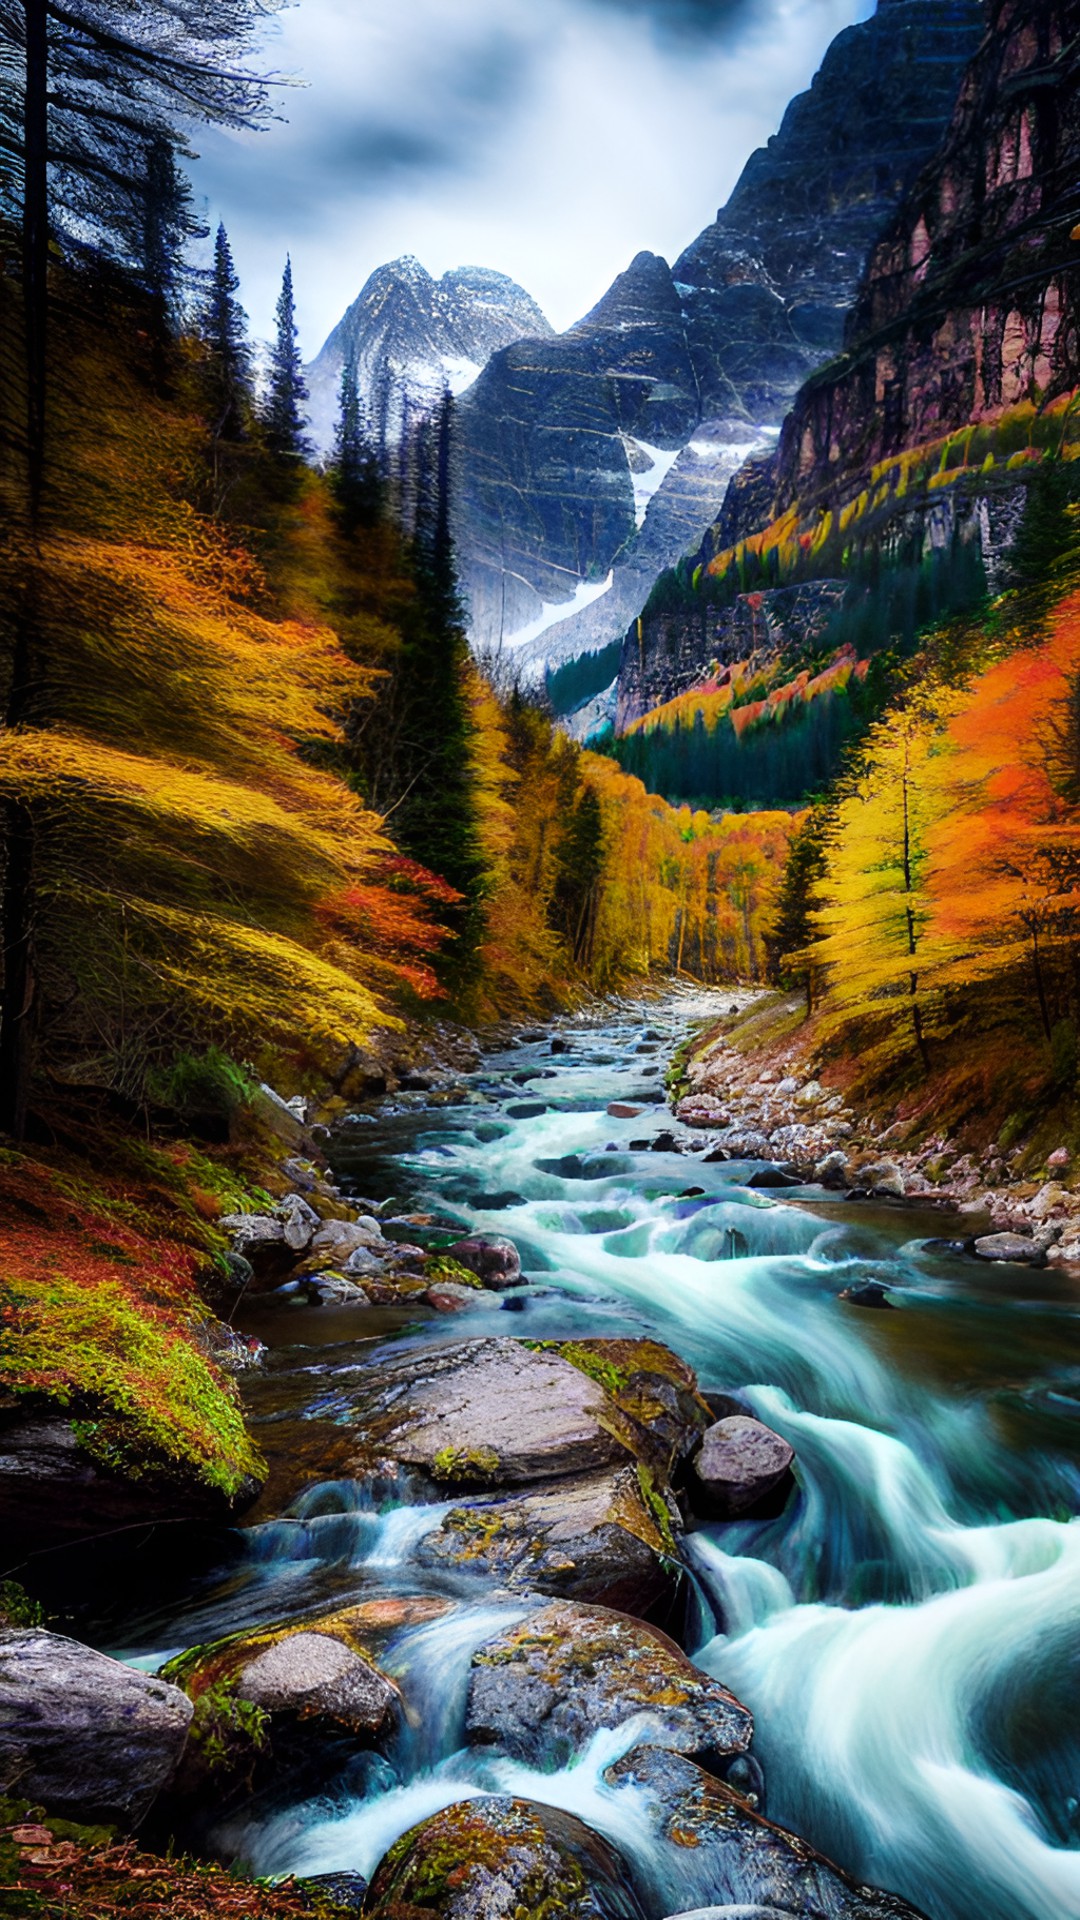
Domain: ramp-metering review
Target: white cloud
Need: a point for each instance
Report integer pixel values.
(478, 133)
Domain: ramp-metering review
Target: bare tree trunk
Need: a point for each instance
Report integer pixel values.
(17, 1008)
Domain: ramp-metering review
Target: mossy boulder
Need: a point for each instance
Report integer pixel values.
(591, 1537)
(541, 1689)
(497, 1858)
(279, 1695)
(652, 1388)
(509, 1413)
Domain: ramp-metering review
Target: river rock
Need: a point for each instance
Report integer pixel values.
(496, 1858)
(317, 1677)
(734, 1913)
(541, 1689)
(334, 1290)
(595, 1538)
(653, 1389)
(494, 1261)
(490, 1412)
(87, 1737)
(731, 1854)
(317, 1671)
(253, 1233)
(883, 1176)
(300, 1222)
(337, 1239)
(447, 1296)
(870, 1294)
(741, 1460)
(1009, 1246)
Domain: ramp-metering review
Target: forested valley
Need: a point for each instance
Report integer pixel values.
(687, 996)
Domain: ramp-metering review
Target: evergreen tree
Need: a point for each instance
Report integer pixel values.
(355, 477)
(224, 332)
(166, 225)
(792, 926)
(283, 418)
(435, 803)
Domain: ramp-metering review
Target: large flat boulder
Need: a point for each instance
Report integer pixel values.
(730, 1854)
(598, 1537)
(652, 1388)
(83, 1735)
(495, 1858)
(542, 1688)
(488, 1412)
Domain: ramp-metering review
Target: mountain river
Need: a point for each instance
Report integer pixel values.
(906, 1631)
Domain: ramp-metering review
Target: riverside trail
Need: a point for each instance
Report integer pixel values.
(905, 1630)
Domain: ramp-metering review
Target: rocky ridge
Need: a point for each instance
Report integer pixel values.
(552, 432)
(965, 320)
(412, 336)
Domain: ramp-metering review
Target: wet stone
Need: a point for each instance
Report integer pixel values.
(734, 1855)
(740, 1462)
(596, 1538)
(497, 1858)
(541, 1689)
(484, 1412)
(81, 1733)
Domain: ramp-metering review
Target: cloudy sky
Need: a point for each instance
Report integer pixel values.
(551, 139)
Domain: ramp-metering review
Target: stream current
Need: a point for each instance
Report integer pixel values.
(907, 1630)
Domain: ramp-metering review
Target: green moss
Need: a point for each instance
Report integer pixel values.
(146, 1402)
(441, 1268)
(658, 1508)
(465, 1463)
(227, 1733)
(17, 1609)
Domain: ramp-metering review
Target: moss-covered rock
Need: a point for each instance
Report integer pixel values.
(588, 1537)
(502, 1859)
(541, 1689)
(315, 1670)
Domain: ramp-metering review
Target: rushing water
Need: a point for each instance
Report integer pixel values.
(907, 1631)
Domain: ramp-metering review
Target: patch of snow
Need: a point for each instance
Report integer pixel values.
(646, 484)
(584, 594)
(460, 372)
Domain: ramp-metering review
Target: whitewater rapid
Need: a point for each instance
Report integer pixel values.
(906, 1632)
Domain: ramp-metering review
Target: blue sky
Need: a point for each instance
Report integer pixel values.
(551, 139)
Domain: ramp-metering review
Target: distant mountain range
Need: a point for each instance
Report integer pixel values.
(653, 399)
(413, 336)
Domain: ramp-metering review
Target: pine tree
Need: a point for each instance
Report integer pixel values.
(166, 225)
(355, 477)
(224, 332)
(434, 804)
(283, 415)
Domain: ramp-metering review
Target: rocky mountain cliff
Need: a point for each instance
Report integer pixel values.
(971, 300)
(413, 336)
(917, 441)
(554, 431)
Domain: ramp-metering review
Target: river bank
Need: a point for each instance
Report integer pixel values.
(447, 1611)
(751, 1087)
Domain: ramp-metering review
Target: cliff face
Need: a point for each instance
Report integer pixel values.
(971, 300)
(552, 431)
(969, 307)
